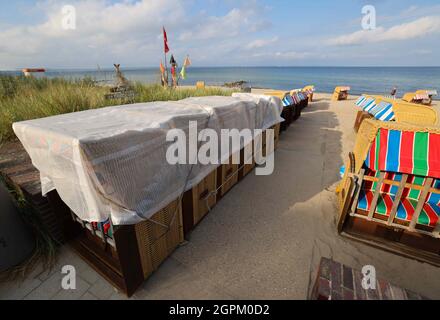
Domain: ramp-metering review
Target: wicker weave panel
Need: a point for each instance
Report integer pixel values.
(156, 242)
(204, 196)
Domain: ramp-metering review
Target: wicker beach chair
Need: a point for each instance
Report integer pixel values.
(390, 193)
(309, 90)
(428, 96)
(389, 109)
(340, 93)
(300, 97)
(291, 107)
(420, 97)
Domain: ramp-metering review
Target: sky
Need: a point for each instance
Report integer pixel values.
(218, 33)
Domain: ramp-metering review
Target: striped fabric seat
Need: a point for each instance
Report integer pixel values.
(381, 111)
(288, 100)
(431, 209)
(428, 216)
(369, 104)
(360, 100)
(386, 112)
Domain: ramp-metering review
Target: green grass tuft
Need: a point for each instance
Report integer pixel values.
(31, 98)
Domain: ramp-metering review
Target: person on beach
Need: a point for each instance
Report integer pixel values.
(394, 92)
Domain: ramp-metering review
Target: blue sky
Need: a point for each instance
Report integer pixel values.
(219, 33)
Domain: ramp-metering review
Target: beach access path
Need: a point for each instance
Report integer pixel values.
(264, 240)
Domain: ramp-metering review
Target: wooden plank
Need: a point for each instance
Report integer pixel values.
(346, 203)
(359, 182)
(376, 196)
(420, 204)
(407, 185)
(396, 202)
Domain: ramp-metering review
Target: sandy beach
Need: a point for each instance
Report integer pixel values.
(264, 240)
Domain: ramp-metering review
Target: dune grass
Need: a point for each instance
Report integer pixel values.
(29, 98)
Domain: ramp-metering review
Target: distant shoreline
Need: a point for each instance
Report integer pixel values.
(371, 80)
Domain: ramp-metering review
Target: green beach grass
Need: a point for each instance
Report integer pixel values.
(29, 98)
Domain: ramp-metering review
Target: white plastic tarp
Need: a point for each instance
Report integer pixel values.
(112, 161)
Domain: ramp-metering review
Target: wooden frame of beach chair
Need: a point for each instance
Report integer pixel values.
(340, 93)
(227, 178)
(310, 89)
(130, 253)
(407, 237)
(360, 117)
(198, 201)
(246, 168)
(277, 130)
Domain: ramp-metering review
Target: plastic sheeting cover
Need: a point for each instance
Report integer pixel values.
(112, 161)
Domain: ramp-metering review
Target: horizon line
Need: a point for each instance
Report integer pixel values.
(231, 66)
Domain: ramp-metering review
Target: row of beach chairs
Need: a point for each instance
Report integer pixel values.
(126, 255)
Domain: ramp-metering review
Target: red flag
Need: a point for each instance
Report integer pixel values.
(165, 41)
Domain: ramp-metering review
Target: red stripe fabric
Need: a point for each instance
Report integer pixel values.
(408, 208)
(383, 149)
(372, 163)
(434, 155)
(388, 203)
(406, 152)
(431, 214)
(369, 195)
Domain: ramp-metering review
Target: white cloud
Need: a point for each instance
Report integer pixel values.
(128, 32)
(227, 26)
(406, 31)
(261, 43)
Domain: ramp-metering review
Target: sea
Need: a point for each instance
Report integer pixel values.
(374, 80)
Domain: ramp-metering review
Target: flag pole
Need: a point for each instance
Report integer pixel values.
(166, 69)
(165, 55)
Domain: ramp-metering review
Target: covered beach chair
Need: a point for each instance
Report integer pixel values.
(389, 196)
(340, 93)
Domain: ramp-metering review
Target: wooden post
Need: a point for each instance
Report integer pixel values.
(420, 204)
(376, 196)
(396, 202)
(358, 190)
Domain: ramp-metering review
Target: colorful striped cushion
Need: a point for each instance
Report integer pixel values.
(429, 215)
